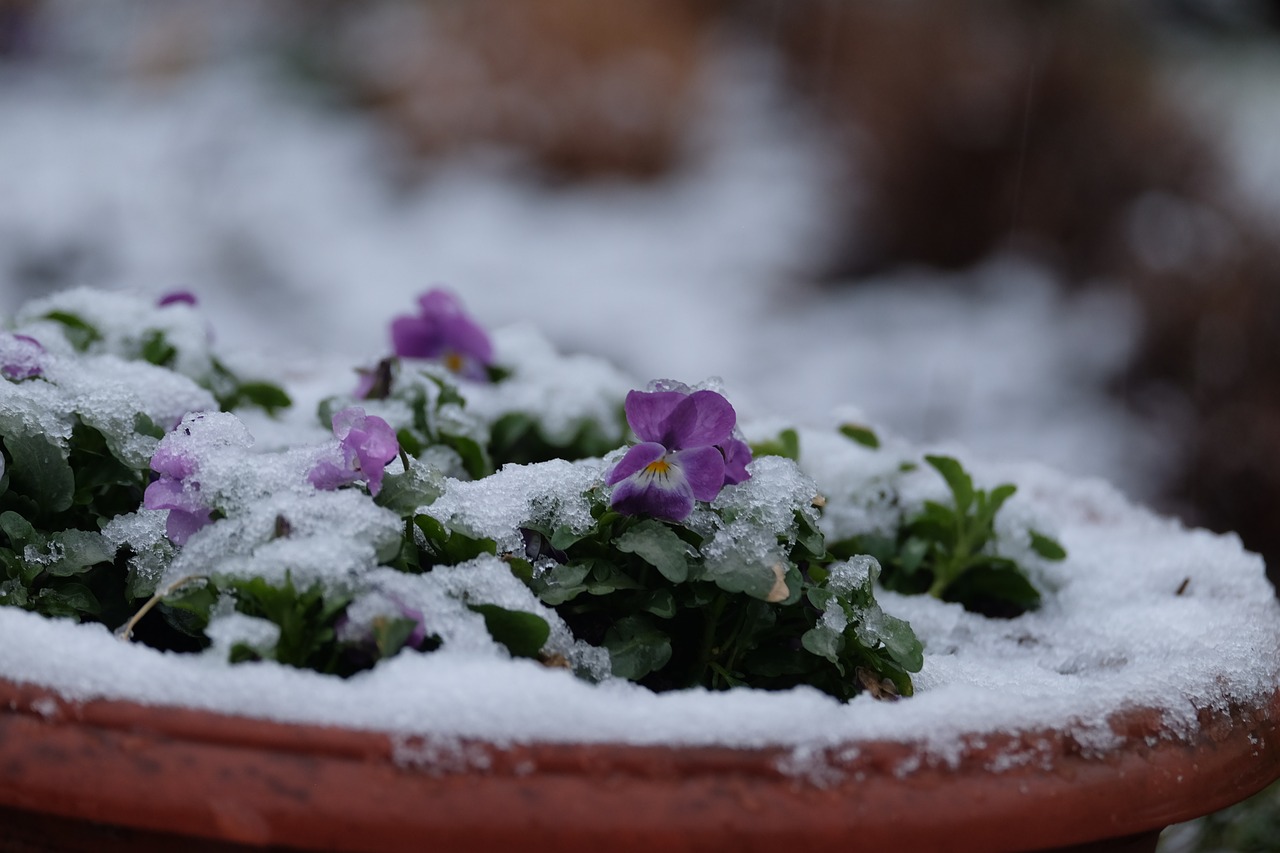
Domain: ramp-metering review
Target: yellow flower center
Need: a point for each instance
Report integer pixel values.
(453, 361)
(657, 466)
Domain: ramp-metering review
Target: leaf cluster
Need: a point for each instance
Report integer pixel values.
(642, 589)
(948, 551)
(153, 346)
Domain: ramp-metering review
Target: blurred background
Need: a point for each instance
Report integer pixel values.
(1032, 228)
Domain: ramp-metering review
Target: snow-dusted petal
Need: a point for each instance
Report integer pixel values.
(703, 467)
(637, 458)
(180, 525)
(327, 475)
(168, 493)
(21, 357)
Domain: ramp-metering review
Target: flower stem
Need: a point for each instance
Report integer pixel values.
(709, 637)
(125, 634)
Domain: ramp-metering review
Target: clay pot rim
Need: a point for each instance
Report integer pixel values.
(1155, 779)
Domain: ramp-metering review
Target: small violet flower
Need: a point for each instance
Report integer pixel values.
(175, 492)
(366, 442)
(443, 331)
(176, 297)
(687, 452)
(21, 357)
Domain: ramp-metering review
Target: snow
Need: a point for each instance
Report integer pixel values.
(278, 216)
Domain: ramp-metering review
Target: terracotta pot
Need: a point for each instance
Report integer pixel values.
(113, 775)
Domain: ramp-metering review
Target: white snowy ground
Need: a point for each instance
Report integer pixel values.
(280, 216)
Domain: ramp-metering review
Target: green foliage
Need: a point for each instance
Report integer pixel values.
(232, 392)
(948, 551)
(524, 634)
(642, 589)
(786, 445)
(519, 438)
(79, 333)
(306, 619)
(860, 434)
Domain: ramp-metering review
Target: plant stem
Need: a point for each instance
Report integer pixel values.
(125, 634)
(709, 637)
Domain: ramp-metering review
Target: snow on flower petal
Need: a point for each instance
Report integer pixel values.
(442, 330)
(366, 444)
(21, 357)
(174, 491)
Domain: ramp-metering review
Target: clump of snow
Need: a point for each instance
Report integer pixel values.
(551, 494)
(562, 392)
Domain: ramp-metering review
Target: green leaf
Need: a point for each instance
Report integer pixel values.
(659, 546)
(524, 634)
(999, 495)
(80, 550)
(901, 642)
(787, 445)
(143, 425)
(474, 457)
(264, 395)
(660, 603)
(996, 587)
(20, 533)
(390, 635)
(80, 334)
(912, 555)
(40, 470)
(637, 647)
(563, 538)
(825, 643)
(157, 349)
(67, 599)
(957, 478)
(407, 492)
(450, 547)
(1047, 547)
(861, 434)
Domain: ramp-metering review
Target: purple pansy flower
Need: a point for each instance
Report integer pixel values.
(367, 443)
(687, 453)
(443, 331)
(176, 297)
(21, 357)
(171, 491)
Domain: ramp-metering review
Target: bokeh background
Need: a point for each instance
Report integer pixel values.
(1030, 228)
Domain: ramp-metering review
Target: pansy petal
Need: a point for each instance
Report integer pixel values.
(737, 453)
(167, 493)
(704, 418)
(171, 463)
(416, 337)
(327, 475)
(666, 496)
(439, 302)
(467, 338)
(635, 460)
(703, 467)
(177, 297)
(649, 411)
(180, 525)
(345, 420)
